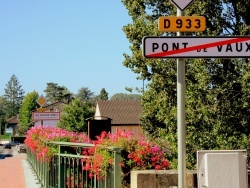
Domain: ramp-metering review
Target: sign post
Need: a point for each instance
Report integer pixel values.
(181, 119)
(181, 122)
(41, 101)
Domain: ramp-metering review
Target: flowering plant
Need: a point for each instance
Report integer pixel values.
(137, 154)
(37, 136)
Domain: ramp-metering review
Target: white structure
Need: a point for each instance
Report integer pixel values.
(222, 169)
(52, 113)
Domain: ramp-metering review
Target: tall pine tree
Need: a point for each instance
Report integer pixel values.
(103, 94)
(55, 93)
(13, 97)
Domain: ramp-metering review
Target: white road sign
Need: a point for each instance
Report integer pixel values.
(45, 116)
(196, 47)
(181, 4)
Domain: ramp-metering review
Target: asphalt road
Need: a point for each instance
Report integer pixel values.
(8, 152)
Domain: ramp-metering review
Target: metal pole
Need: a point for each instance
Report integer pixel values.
(181, 124)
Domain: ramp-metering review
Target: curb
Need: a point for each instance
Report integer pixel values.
(30, 177)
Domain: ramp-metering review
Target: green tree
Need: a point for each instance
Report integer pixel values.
(2, 105)
(55, 93)
(25, 117)
(103, 95)
(217, 90)
(2, 115)
(125, 96)
(13, 97)
(85, 94)
(74, 116)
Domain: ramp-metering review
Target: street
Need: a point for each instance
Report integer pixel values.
(8, 152)
(12, 171)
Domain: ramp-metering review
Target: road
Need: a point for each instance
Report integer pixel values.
(8, 152)
(12, 170)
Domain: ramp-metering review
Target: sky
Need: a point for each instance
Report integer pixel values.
(74, 43)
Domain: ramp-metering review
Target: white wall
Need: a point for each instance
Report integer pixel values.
(50, 123)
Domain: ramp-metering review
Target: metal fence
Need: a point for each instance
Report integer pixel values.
(65, 169)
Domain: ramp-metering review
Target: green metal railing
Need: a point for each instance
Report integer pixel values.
(65, 169)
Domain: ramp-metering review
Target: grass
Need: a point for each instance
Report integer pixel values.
(4, 137)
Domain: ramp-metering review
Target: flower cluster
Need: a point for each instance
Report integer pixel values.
(137, 154)
(37, 136)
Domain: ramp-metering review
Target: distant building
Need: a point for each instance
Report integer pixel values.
(124, 114)
(12, 125)
(54, 107)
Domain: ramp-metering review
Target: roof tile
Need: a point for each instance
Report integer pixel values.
(121, 111)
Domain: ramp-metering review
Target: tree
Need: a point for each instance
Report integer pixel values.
(217, 90)
(25, 117)
(103, 95)
(2, 105)
(2, 115)
(55, 93)
(74, 116)
(13, 97)
(85, 94)
(125, 96)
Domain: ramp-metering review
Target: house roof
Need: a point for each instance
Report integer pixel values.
(59, 105)
(13, 120)
(56, 105)
(120, 111)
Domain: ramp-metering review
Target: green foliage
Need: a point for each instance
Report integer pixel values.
(85, 94)
(74, 115)
(217, 90)
(13, 97)
(25, 117)
(125, 96)
(103, 95)
(2, 106)
(55, 93)
(5, 137)
(2, 124)
(21, 130)
(2, 115)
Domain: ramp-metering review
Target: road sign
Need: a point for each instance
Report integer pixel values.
(181, 4)
(183, 23)
(41, 100)
(45, 116)
(196, 47)
(41, 109)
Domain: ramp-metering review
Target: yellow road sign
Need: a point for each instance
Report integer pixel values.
(41, 109)
(182, 23)
(41, 100)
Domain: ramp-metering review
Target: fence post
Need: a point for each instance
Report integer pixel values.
(61, 172)
(117, 167)
(46, 172)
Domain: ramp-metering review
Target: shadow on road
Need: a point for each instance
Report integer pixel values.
(2, 156)
(5, 153)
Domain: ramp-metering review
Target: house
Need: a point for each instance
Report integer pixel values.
(124, 114)
(13, 122)
(12, 125)
(54, 107)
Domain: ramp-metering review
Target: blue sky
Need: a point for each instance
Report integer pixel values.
(74, 43)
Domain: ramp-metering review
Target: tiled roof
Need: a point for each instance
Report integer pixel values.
(55, 106)
(59, 105)
(121, 111)
(13, 120)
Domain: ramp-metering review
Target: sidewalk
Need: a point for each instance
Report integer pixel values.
(15, 172)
